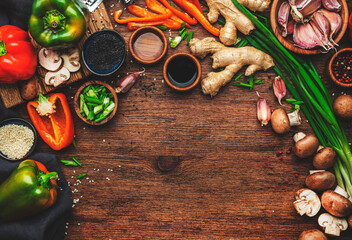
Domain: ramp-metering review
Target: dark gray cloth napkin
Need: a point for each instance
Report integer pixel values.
(49, 224)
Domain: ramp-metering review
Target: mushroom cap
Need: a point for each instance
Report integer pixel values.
(336, 204)
(343, 106)
(307, 202)
(49, 59)
(324, 159)
(313, 234)
(320, 181)
(332, 225)
(280, 122)
(350, 221)
(306, 147)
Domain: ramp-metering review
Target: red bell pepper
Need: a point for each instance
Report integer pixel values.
(52, 118)
(18, 59)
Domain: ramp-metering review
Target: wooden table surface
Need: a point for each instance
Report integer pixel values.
(225, 179)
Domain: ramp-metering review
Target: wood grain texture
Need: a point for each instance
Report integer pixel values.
(174, 165)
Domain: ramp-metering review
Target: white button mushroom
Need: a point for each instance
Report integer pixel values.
(49, 59)
(281, 122)
(71, 60)
(325, 158)
(320, 180)
(58, 77)
(332, 225)
(307, 202)
(313, 234)
(306, 145)
(337, 202)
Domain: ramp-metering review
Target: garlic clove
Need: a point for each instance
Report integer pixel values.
(263, 111)
(283, 15)
(332, 5)
(321, 23)
(306, 37)
(335, 21)
(279, 88)
(301, 9)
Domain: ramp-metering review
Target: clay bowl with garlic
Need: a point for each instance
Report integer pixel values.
(288, 42)
(77, 102)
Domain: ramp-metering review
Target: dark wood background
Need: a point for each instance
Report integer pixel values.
(225, 180)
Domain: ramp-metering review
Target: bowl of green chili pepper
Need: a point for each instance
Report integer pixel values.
(95, 103)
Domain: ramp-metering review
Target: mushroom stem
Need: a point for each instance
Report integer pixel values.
(315, 171)
(341, 191)
(295, 118)
(298, 136)
(332, 229)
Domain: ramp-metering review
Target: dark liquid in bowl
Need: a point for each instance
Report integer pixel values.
(182, 71)
(104, 52)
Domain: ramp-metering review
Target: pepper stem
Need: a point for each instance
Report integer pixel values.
(44, 108)
(3, 50)
(54, 20)
(44, 179)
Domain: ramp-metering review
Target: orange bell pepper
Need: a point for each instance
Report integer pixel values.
(159, 17)
(52, 118)
(184, 16)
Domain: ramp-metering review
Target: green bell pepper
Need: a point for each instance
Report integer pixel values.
(29, 190)
(58, 23)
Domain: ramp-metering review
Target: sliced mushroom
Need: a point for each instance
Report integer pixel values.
(337, 202)
(306, 145)
(332, 225)
(58, 77)
(313, 234)
(281, 122)
(307, 202)
(71, 60)
(320, 180)
(49, 59)
(325, 158)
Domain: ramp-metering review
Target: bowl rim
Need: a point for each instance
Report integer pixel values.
(196, 81)
(288, 45)
(332, 76)
(152, 29)
(89, 39)
(76, 102)
(27, 124)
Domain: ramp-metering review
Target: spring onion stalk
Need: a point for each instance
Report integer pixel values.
(306, 86)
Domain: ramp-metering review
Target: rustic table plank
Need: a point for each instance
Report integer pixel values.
(227, 182)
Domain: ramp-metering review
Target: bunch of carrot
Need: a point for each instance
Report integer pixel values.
(167, 15)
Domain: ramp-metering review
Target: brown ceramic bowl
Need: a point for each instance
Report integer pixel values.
(76, 102)
(288, 42)
(147, 45)
(171, 83)
(345, 50)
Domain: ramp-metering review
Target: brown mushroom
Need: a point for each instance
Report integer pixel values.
(336, 202)
(49, 59)
(306, 145)
(320, 180)
(313, 234)
(332, 225)
(58, 77)
(71, 60)
(350, 221)
(343, 106)
(307, 202)
(281, 122)
(325, 158)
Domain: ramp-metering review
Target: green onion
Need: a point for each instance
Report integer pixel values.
(76, 161)
(190, 36)
(98, 109)
(175, 41)
(69, 163)
(306, 86)
(74, 143)
(93, 100)
(161, 27)
(81, 175)
(91, 93)
(109, 109)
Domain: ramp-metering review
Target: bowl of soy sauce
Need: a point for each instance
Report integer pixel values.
(182, 71)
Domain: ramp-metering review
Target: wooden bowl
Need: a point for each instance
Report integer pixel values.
(288, 42)
(76, 103)
(196, 81)
(147, 45)
(21, 122)
(330, 67)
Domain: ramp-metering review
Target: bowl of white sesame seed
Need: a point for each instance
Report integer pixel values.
(18, 138)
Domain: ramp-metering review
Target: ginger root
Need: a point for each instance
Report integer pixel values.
(235, 19)
(233, 59)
